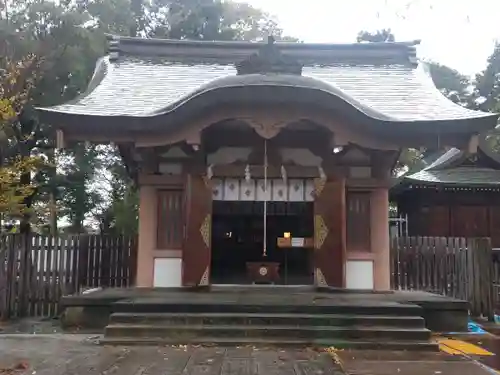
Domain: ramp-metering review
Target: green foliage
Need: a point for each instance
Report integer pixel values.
(383, 35)
(78, 197)
(17, 79)
(452, 84)
(487, 83)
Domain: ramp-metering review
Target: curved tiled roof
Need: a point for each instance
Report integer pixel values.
(147, 78)
(135, 87)
(447, 169)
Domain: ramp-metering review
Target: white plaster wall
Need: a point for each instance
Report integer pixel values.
(359, 274)
(167, 272)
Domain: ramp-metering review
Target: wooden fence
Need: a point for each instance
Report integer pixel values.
(35, 270)
(456, 267)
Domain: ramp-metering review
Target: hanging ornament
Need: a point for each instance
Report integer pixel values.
(283, 174)
(322, 174)
(248, 176)
(264, 251)
(210, 171)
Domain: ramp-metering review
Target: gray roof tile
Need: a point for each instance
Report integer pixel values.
(143, 87)
(445, 159)
(140, 87)
(468, 176)
(149, 77)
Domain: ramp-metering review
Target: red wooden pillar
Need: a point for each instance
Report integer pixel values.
(196, 253)
(329, 233)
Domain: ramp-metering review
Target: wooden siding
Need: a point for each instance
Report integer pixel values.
(358, 209)
(452, 213)
(170, 225)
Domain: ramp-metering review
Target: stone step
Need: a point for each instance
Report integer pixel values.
(377, 344)
(267, 319)
(192, 332)
(349, 308)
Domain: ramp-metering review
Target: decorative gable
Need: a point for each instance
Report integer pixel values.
(269, 59)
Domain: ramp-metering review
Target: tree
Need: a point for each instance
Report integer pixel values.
(487, 83)
(120, 212)
(383, 35)
(487, 94)
(17, 78)
(182, 19)
(79, 195)
(55, 32)
(452, 84)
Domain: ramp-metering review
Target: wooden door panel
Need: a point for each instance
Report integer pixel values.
(470, 221)
(494, 226)
(196, 252)
(438, 221)
(329, 234)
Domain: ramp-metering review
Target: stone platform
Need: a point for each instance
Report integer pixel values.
(276, 306)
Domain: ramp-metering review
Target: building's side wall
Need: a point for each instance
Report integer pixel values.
(466, 213)
(369, 267)
(147, 238)
(156, 266)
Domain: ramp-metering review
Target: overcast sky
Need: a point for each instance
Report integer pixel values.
(458, 33)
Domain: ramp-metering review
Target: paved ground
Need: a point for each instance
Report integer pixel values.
(405, 363)
(36, 346)
(32, 325)
(68, 355)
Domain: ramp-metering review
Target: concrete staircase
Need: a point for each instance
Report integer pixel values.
(355, 325)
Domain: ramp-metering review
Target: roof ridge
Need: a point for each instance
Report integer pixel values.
(235, 51)
(443, 159)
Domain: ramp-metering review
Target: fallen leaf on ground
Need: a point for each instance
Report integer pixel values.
(21, 366)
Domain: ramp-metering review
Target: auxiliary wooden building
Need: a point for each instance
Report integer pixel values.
(263, 162)
(456, 195)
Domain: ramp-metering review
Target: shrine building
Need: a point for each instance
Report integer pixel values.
(456, 194)
(263, 162)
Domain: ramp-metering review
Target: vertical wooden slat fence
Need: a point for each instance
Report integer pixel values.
(35, 270)
(462, 268)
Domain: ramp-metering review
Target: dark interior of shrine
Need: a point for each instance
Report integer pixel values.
(238, 238)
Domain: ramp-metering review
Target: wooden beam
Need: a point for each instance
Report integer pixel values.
(257, 171)
(161, 180)
(368, 183)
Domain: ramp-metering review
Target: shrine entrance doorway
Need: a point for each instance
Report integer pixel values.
(238, 235)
